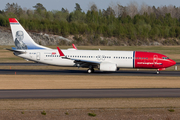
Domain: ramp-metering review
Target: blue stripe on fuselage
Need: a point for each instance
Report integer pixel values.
(134, 59)
(34, 47)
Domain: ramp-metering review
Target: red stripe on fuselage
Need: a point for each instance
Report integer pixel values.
(150, 60)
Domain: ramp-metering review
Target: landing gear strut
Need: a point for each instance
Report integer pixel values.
(157, 72)
(90, 70)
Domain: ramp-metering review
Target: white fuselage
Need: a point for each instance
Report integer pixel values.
(52, 57)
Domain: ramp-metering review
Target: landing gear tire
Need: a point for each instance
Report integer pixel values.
(157, 72)
(90, 70)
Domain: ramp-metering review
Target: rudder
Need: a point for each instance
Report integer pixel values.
(21, 38)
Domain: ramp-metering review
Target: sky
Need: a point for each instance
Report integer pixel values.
(70, 4)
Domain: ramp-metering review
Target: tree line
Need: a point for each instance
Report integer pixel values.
(132, 22)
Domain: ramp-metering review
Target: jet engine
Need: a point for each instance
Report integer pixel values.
(108, 67)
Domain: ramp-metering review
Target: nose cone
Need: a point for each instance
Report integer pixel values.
(172, 62)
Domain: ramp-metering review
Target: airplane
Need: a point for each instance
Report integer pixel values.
(104, 60)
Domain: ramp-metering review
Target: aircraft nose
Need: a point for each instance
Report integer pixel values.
(172, 62)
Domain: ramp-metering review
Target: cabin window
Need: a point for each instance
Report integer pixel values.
(165, 58)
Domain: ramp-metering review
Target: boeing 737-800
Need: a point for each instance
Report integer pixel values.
(102, 59)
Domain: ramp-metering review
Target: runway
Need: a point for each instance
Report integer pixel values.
(84, 72)
(89, 93)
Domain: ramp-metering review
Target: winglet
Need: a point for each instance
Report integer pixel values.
(60, 52)
(74, 46)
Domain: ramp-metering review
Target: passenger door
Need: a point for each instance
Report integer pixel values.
(38, 56)
(155, 60)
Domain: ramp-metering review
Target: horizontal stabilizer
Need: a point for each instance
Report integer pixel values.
(21, 52)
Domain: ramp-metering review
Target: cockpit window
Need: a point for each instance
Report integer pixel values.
(165, 58)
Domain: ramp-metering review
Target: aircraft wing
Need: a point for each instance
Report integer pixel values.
(86, 61)
(81, 63)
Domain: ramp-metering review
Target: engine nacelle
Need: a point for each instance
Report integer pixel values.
(108, 67)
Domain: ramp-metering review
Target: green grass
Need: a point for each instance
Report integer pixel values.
(92, 114)
(66, 113)
(171, 110)
(43, 113)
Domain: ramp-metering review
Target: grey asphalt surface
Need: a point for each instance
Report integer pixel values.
(89, 93)
(80, 72)
(84, 72)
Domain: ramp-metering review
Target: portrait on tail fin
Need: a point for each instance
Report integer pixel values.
(19, 40)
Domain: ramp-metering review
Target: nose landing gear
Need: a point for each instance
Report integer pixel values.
(157, 72)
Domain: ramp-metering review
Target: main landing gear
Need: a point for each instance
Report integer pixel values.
(90, 70)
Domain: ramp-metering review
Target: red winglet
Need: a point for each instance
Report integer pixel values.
(13, 20)
(74, 46)
(60, 52)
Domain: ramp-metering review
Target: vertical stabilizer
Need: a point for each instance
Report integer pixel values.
(21, 38)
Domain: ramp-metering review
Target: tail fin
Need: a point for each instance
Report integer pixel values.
(21, 38)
